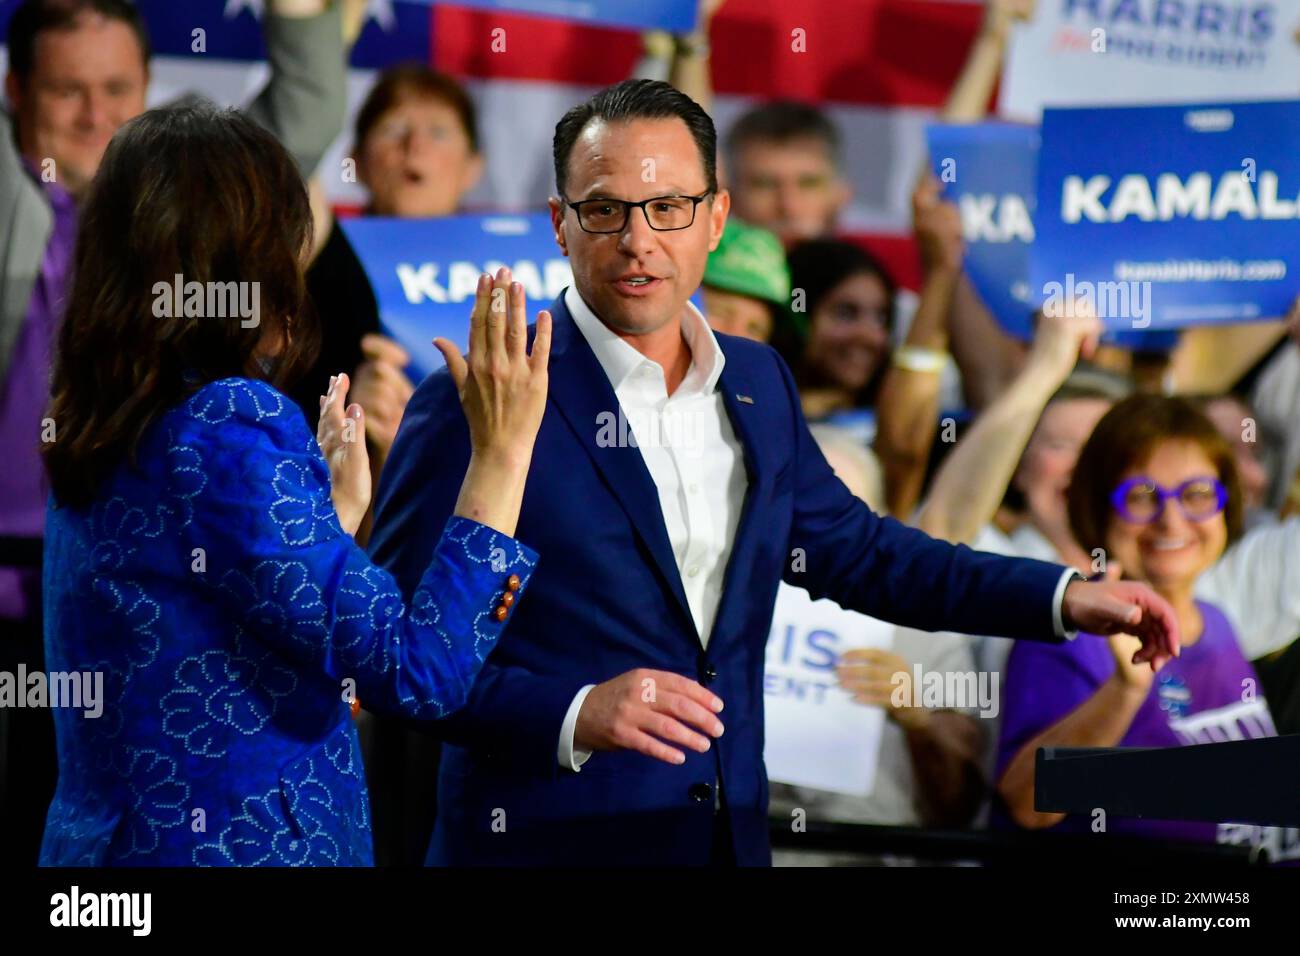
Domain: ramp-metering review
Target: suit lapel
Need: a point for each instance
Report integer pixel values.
(743, 409)
(581, 392)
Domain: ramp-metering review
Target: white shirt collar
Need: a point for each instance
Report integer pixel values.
(619, 359)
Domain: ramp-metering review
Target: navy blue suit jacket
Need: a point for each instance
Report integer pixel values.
(607, 598)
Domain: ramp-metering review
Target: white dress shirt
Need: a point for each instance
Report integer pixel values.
(1256, 583)
(697, 465)
(692, 454)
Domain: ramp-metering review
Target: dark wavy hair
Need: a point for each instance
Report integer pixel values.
(196, 192)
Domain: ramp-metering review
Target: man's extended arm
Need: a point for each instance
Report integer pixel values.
(882, 568)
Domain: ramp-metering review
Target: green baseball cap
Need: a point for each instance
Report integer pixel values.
(749, 261)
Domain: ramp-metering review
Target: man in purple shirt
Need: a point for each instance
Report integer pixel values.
(22, 407)
(79, 70)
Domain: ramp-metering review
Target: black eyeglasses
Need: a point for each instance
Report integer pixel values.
(663, 213)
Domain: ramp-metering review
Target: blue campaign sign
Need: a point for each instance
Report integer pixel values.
(1170, 216)
(988, 170)
(676, 16)
(424, 272)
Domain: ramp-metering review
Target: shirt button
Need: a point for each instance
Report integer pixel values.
(694, 489)
(693, 570)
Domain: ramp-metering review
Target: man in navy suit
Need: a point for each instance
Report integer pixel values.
(674, 485)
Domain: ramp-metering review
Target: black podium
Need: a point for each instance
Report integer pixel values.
(1239, 781)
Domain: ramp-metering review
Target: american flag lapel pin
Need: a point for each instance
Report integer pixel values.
(744, 398)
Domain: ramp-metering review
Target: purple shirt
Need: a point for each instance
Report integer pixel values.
(23, 398)
(1196, 698)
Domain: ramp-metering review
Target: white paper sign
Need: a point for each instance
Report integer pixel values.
(1146, 52)
(816, 735)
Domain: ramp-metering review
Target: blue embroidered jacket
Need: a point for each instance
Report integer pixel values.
(233, 620)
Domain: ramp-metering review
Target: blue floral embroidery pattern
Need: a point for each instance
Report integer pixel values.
(376, 607)
(303, 514)
(280, 596)
(109, 724)
(294, 823)
(237, 398)
(223, 679)
(219, 690)
(260, 836)
(118, 529)
(185, 467)
(157, 798)
(140, 614)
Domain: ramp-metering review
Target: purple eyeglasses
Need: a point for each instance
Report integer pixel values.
(1142, 501)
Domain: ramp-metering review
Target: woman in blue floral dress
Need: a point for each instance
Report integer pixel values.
(199, 551)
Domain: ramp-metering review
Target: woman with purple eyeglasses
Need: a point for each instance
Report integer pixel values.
(1155, 494)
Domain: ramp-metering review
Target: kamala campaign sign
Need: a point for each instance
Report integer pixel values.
(1097, 52)
(676, 16)
(425, 272)
(1172, 215)
(816, 735)
(988, 170)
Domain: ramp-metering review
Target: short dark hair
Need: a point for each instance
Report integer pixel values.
(205, 193)
(1127, 435)
(415, 81)
(637, 99)
(780, 122)
(35, 17)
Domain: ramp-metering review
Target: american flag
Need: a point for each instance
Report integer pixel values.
(881, 68)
